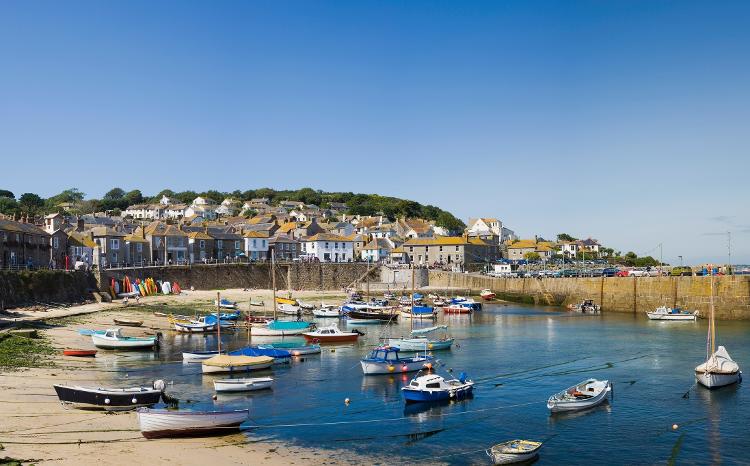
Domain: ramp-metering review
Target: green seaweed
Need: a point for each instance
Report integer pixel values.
(17, 352)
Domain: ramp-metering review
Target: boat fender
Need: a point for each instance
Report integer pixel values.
(134, 400)
(740, 377)
(106, 401)
(160, 385)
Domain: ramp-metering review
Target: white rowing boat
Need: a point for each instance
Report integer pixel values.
(514, 451)
(157, 423)
(584, 395)
(668, 313)
(242, 385)
(113, 338)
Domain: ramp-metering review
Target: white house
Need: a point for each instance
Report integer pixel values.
(256, 245)
(165, 200)
(327, 247)
(377, 250)
(569, 248)
(228, 207)
(145, 211)
(206, 211)
(501, 269)
(485, 227)
(590, 245)
(175, 210)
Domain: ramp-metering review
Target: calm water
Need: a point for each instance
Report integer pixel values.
(519, 356)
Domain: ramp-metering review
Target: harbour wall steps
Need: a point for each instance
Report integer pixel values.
(614, 294)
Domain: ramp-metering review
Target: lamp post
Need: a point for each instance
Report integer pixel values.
(680, 261)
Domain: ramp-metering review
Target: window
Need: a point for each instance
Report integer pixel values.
(202, 244)
(114, 258)
(139, 247)
(411, 248)
(55, 242)
(115, 244)
(327, 245)
(219, 244)
(236, 245)
(456, 248)
(254, 243)
(263, 243)
(336, 245)
(441, 249)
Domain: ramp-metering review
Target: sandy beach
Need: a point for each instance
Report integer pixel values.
(36, 428)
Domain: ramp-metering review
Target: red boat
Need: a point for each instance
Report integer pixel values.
(79, 352)
(330, 333)
(487, 295)
(457, 309)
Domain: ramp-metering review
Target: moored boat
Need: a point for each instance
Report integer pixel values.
(668, 313)
(294, 348)
(458, 309)
(280, 328)
(386, 360)
(419, 312)
(81, 353)
(326, 310)
(114, 339)
(157, 423)
(194, 327)
(279, 356)
(368, 315)
(242, 385)
(514, 451)
(128, 322)
(330, 334)
(289, 309)
(432, 387)
(584, 395)
(198, 355)
(226, 363)
(487, 295)
(110, 399)
(418, 341)
(585, 306)
(225, 304)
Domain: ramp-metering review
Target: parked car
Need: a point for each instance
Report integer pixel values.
(610, 271)
(681, 271)
(622, 273)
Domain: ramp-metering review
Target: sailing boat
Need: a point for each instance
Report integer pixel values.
(719, 369)
(278, 328)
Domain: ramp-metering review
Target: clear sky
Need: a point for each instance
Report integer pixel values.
(623, 120)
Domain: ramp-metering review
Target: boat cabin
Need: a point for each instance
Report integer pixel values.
(384, 353)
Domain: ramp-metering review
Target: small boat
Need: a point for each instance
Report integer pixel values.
(225, 304)
(194, 327)
(157, 423)
(585, 306)
(81, 353)
(329, 334)
(279, 356)
(487, 295)
(290, 301)
(114, 339)
(419, 312)
(514, 451)
(198, 355)
(242, 385)
(458, 309)
(418, 340)
(468, 302)
(668, 313)
(289, 309)
(369, 316)
(128, 322)
(326, 310)
(584, 395)
(129, 294)
(432, 387)
(386, 360)
(389, 296)
(226, 323)
(89, 332)
(305, 305)
(110, 399)
(294, 348)
(279, 328)
(439, 302)
(226, 363)
(257, 303)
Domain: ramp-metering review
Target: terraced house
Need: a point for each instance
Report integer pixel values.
(23, 244)
(169, 244)
(459, 250)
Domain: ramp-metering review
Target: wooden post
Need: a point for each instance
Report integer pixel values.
(601, 294)
(218, 319)
(635, 295)
(674, 291)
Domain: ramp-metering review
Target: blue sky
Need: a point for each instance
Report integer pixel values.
(622, 120)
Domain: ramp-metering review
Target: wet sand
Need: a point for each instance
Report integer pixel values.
(36, 428)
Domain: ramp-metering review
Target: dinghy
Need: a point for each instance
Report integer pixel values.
(419, 312)
(279, 356)
(514, 451)
(458, 309)
(157, 423)
(418, 341)
(226, 363)
(326, 310)
(194, 327)
(128, 322)
(289, 309)
(432, 387)
(110, 399)
(294, 348)
(242, 385)
(82, 353)
(279, 328)
(487, 295)
(225, 304)
(584, 395)
(114, 339)
(198, 355)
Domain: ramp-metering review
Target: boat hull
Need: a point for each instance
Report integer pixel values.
(457, 310)
(672, 317)
(331, 338)
(379, 368)
(199, 355)
(128, 323)
(136, 344)
(268, 332)
(242, 385)
(207, 369)
(411, 344)
(160, 424)
(716, 380)
(108, 399)
(194, 328)
(79, 353)
(558, 406)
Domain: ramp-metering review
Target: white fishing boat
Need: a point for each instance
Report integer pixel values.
(386, 360)
(194, 327)
(330, 334)
(305, 305)
(432, 387)
(288, 309)
(198, 355)
(326, 310)
(226, 363)
(514, 451)
(113, 338)
(242, 385)
(295, 349)
(585, 306)
(719, 369)
(668, 313)
(225, 304)
(584, 395)
(157, 423)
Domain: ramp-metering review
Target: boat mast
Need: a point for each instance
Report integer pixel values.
(712, 324)
(367, 278)
(218, 317)
(412, 297)
(273, 280)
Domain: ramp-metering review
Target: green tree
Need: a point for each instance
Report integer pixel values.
(9, 206)
(6, 193)
(449, 222)
(30, 203)
(565, 237)
(532, 256)
(132, 197)
(114, 194)
(72, 195)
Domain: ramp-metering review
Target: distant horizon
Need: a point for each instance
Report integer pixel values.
(621, 120)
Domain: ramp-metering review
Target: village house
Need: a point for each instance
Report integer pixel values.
(326, 247)
(291, 205)
(341, 228)
(519, 249)
(308, 229)
(256, 245)
(227, 243)
(385, 230)
(200, 246)
(228, 207)
(358, 242)
(377, 250)
(175, 211)
(285, 247)
(54, 225)
(168, 243)
(568, 248)
(23, 244)
(459, 250)
(111, 247)
(145, 211)
(81, 249)
(414, 228)
(137, 250)
(590, 245)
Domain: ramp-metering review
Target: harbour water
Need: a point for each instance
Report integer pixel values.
(519, 356)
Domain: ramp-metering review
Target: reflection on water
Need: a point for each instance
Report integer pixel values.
(518, 356)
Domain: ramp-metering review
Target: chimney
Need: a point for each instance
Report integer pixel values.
(143, 232)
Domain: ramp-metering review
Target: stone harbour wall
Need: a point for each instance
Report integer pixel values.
(615, 294)
(44, 287)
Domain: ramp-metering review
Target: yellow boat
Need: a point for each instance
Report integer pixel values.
(227, 363)
(290, 301)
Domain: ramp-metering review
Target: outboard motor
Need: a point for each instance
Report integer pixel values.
(462, 377)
